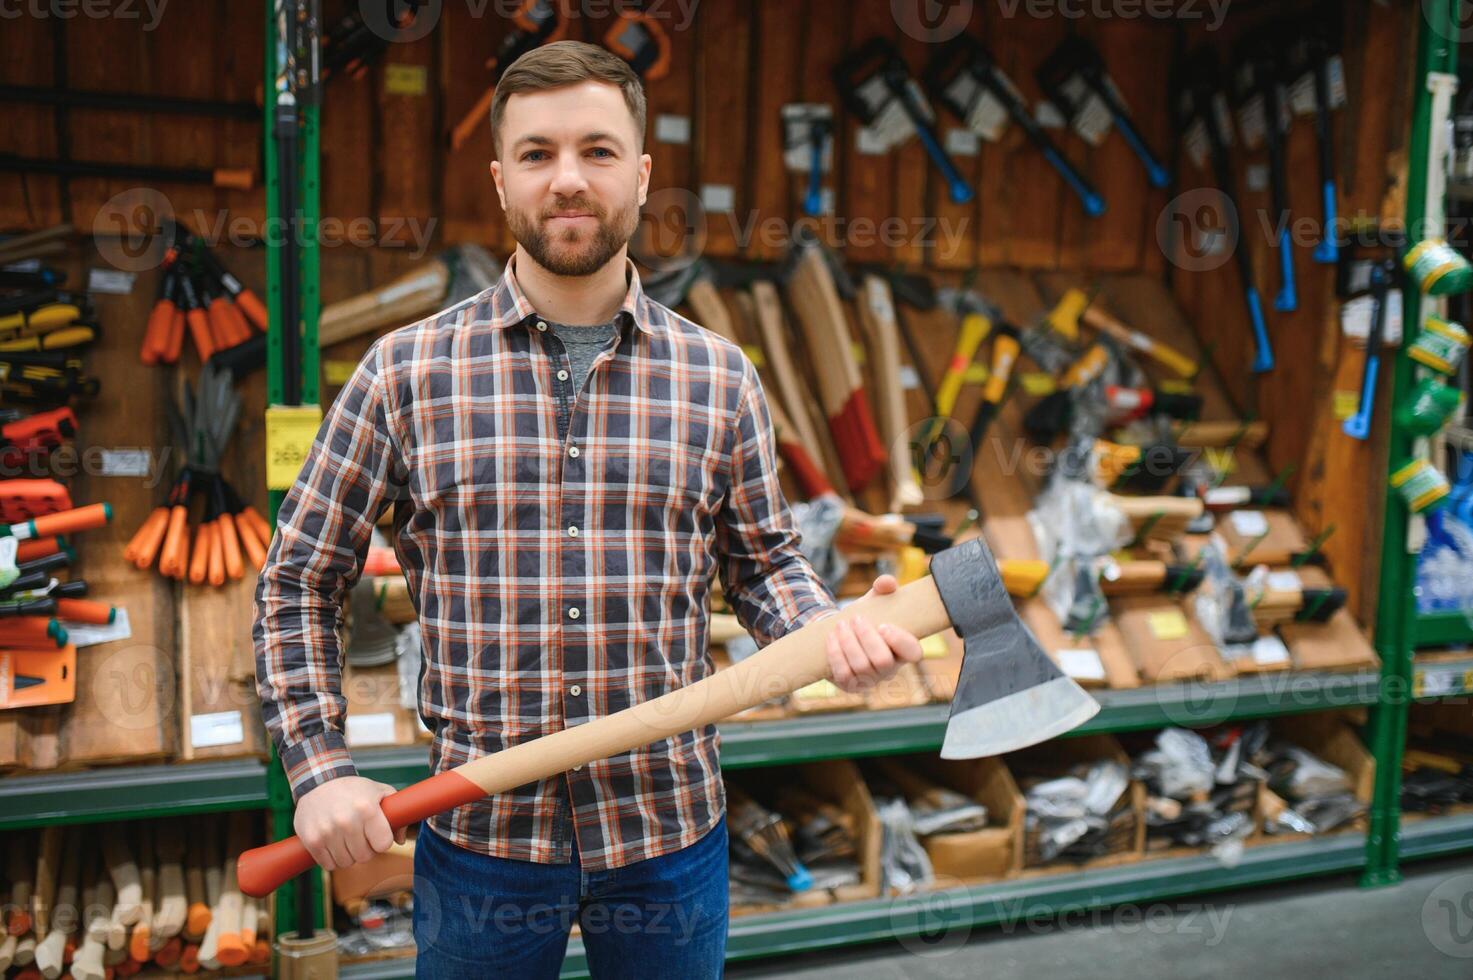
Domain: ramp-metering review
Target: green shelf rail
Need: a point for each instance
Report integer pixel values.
(1399, 628)
(131, 792)
(1441, 630)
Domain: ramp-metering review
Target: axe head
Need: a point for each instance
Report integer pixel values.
(1010, 694)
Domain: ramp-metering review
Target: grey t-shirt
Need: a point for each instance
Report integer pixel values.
(584, 344)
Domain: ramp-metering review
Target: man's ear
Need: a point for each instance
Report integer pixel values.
(496, 179)
(646, 164)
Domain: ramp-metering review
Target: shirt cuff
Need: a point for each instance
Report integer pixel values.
(316, 760)
(810, 615)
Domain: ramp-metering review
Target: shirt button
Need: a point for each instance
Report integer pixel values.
(573, 451)
(572, 532)
(562, 376)
(541, 325)
(574, 613)
(575, 690)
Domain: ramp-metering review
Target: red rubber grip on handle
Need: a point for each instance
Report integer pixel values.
(261, 870)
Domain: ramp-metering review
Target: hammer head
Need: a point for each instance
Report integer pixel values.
(1010, 694)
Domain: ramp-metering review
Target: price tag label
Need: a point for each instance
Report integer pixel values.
(216, 728)
(1436, 682)
(290, 430)
(1082, 665)
(1168, 624)
(337, 373)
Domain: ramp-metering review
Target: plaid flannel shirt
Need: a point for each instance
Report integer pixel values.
(559, 547)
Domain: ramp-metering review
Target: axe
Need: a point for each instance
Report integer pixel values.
(1009, 695)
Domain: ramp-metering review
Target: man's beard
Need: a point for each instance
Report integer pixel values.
(574, 252)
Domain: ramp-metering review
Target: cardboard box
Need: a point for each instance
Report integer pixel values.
(374, 716)
(975, 856)
(1337, 644)
(1328, 735)
(1097, 660)
(1053, 759)
(1166, 641)
(1261, 537)
(839, 782)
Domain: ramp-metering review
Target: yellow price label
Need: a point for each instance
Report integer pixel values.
(1176, 386)
(1037, 383)
(290, 430)
(1346, 404)
(338, 372)
(406, 80)
(1169, 624)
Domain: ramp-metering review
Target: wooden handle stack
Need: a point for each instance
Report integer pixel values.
(98, 903)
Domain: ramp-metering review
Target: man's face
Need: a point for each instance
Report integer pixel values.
(570, 176)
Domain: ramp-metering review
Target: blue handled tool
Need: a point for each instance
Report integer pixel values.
(964, 72)
(871, 79)
(813, 199)
(1358, 426)
(1075, 70)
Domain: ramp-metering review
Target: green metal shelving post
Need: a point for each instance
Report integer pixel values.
(1396, 617)
(279, 798)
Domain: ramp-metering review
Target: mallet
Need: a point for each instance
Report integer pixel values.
(1009, 695)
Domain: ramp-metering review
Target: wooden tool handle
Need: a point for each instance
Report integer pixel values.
(119, 858)
(397, 303)
(792, 392)
(229, 950)
(791, 662)
(877, 313)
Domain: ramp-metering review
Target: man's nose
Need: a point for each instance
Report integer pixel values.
(568, 179)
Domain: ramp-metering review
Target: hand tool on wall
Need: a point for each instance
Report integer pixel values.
(46, 241)
(1358, 426)
(536, 22)
(33, 672)
(876, 86)
(978, 317)
(224, 178)
(34, 436)
(1097, 319)
(1311, 56)
(1262, 103)
(462, 272)
(1009, 695)
(1200, 103)
(965, 78)
(695, 286)
(877, 315)
(814, 296)
(775, 334)
(641, 40)
(1073, 78)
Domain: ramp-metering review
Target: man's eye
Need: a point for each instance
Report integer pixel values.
(534, 156)
(603, 151)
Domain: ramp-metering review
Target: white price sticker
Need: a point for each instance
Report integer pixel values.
(216, 728)
(1249, 523)
(1082, 664)
(370, 729)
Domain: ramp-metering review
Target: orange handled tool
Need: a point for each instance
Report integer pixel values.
(79, 519)
(160, 319)
(85, 611)
(194, 316)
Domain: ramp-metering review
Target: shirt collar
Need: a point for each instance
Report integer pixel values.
(509, 305)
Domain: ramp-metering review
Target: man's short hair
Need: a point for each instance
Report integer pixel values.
(563, 63)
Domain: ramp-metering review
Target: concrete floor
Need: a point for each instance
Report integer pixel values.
(1421, 928)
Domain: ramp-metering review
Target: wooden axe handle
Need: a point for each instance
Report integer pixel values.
(394, 304)
(791, 662)
(1129, 337)
(877, 314)
(821, 316)
(791, 391)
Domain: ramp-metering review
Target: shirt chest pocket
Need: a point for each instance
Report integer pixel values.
(680, 467)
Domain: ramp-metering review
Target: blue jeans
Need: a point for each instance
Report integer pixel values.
(479, 917)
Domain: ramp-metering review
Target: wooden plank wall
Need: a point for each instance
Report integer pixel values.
(387, 165)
